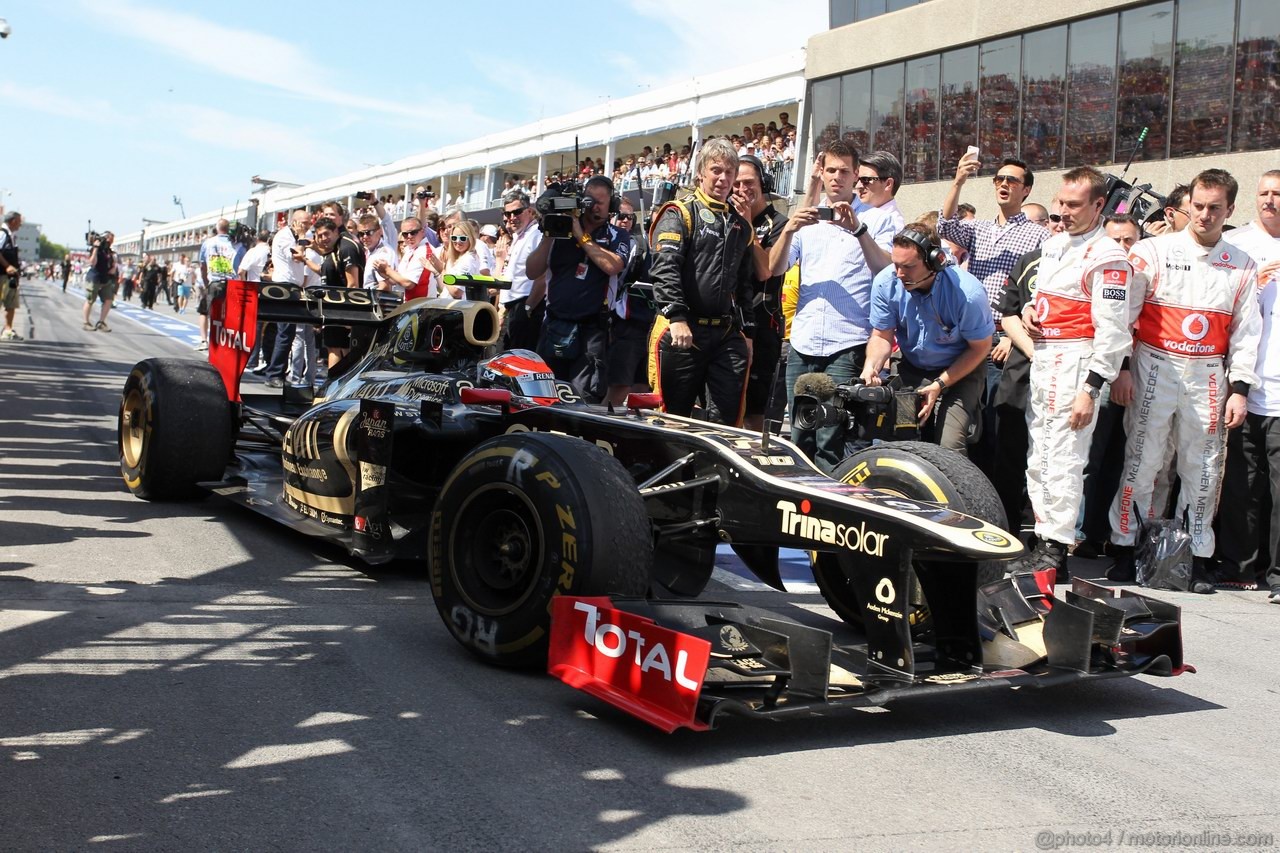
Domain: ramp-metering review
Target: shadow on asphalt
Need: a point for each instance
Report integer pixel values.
(292, 699)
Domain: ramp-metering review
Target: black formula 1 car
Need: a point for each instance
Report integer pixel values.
(578, 537)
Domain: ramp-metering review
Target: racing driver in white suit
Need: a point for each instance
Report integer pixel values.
(1193, 363)
(1079, 319)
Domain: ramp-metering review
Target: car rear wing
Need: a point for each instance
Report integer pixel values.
(284, 302)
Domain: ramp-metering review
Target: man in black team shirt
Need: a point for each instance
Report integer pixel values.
(752, 194)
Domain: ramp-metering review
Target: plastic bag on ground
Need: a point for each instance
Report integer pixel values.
(1163, 554)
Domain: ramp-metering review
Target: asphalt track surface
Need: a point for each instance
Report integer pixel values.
(189, 676)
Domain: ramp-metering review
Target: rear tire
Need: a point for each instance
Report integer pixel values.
(174, 428)
(920, 471)
(524, 518)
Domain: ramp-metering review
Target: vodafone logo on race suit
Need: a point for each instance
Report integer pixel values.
(1195, 326)
(1042, 309)
(627, 660)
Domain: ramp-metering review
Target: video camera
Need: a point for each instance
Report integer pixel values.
(559, 205)
(242, 234)
(883, 412)
(1137, 201)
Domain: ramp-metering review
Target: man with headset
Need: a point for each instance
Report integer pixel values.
(942, 322)
(584, 271)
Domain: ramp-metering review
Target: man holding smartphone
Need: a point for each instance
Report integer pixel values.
(287, 265)
(835, 243)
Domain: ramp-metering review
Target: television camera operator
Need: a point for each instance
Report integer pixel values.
(940, 317)
(585, 255)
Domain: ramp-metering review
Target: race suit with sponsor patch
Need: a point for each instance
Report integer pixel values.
(1082, 303)
(1196, 343)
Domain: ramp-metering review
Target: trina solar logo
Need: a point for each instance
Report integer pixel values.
(798, 522)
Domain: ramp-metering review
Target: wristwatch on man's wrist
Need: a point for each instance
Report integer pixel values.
(942, 385)
(860, 230)
(1094, 393)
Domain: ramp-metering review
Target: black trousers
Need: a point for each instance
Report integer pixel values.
(716, 364)
(1009, 471)
(1249, 512)
(587, 372)
(520, 326)
(1102, 473)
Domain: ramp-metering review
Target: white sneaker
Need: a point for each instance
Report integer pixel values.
(10, 335)
(203, 346)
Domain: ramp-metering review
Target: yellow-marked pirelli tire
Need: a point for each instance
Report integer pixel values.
(174, 428)
(522, 519)
(919, 471)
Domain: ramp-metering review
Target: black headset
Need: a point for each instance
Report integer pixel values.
(615, 200)
(766, 179)
(934, 258)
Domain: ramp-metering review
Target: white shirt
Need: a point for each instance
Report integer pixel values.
(253, 262)
(488, 260)
(1263, 248)
(384, 252)
(179, 271)
(283, 266)
(517, 257)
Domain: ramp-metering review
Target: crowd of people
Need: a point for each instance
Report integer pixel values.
(1101, 370)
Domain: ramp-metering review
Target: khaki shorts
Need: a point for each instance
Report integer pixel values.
(104, 290)
(8, 295)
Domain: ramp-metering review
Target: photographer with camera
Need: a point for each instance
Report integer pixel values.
(584, 255)
(101, 280)
(941, 320)
(704, 275)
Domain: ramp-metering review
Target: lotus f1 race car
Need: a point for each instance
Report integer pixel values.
(578, 537)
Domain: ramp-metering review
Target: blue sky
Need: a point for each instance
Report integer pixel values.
(115, 106)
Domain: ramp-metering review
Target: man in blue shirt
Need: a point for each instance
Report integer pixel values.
(942, 322)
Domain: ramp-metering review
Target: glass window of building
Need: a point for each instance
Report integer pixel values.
(870, 9)
(855, 110)
(999, 79)
(1044, 97)
(842, 12)
(959, 98)
(1091, 92)
(920, 155)
(886, 110)
(824, 99)
(1146, 64)
(1255, 121)
(1202, 77)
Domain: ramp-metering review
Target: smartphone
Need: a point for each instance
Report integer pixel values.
(304, 243)
(826, 214)
(365, 196)
(973, 149)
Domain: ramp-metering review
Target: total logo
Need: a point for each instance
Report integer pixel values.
(1195, 326)
(614, 641)
(796, 521)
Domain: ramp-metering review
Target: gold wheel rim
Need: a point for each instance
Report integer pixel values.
(133, 434)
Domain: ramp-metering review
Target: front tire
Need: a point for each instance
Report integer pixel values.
(920, 471)
(522, 519)
(174, 428)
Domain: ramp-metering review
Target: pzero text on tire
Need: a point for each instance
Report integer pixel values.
(524, 518)
(915, 470)
(173, 429)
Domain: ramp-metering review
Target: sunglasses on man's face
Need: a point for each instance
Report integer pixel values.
(868, 180)
(512, 214)
(629, 217)
(1055, 218)
(367, 233)
(1013, 180)
(409, 232)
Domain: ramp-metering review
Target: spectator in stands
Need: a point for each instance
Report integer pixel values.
(574, 334)
(521, 321)
(1253, 451)
(940, 317)
(832, 319)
